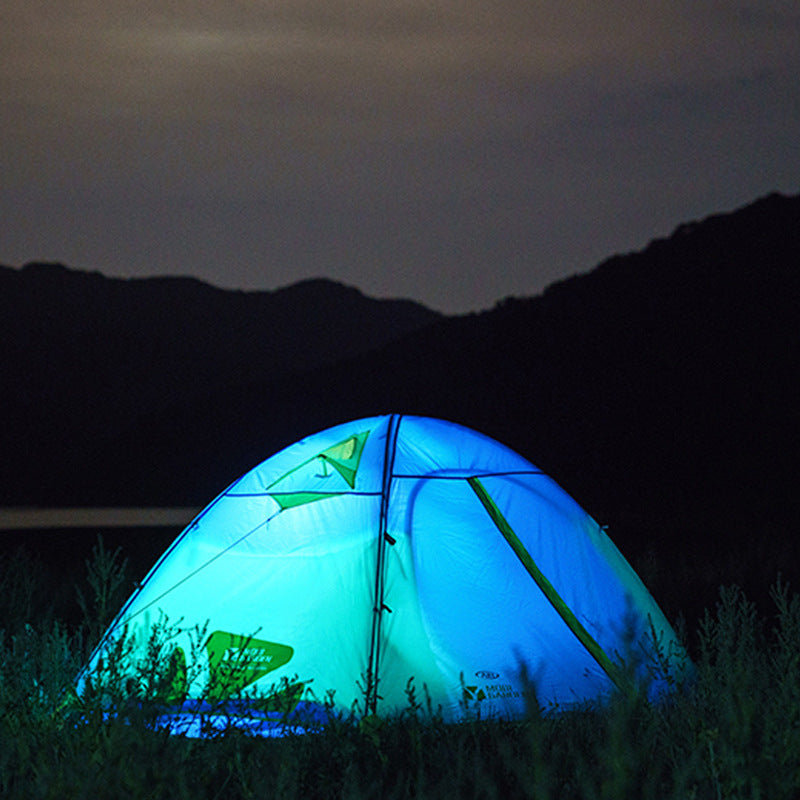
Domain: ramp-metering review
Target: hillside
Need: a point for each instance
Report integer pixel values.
(659, 389)
(83, 356)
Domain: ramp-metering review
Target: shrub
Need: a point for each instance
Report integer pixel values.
(732, 731)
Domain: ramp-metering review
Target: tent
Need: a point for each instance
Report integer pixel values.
(384, 555)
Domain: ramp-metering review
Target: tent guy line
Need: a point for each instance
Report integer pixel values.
(189, 576)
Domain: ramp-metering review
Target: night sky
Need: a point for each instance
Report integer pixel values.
(452, 152)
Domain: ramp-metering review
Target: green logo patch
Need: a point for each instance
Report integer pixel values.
(236, 661)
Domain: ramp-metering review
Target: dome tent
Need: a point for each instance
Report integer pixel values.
(384, 550)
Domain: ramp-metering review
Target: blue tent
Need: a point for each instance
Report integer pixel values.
(382, 551)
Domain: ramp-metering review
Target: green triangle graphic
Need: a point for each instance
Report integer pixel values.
(292, 499)
(344, 457)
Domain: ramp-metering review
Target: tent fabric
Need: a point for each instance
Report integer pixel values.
(384, 550)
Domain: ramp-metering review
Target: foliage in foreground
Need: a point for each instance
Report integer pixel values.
(733, 733)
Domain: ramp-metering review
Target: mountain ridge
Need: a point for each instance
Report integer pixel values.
(93, 338)
(659, 389)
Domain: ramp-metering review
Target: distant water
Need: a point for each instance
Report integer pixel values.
(62, 540)
(20, 519)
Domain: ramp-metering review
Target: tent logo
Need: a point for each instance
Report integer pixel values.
(495, 691)
(474, 693)
(235, 661)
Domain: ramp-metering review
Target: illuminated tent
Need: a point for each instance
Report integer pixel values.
(378, 552)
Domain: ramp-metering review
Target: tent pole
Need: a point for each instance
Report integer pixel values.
(373, 665)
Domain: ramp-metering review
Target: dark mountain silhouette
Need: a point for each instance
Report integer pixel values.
(659, 389)
(83, 356)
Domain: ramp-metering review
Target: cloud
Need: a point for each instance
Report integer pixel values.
(168, 59)
(442, 132)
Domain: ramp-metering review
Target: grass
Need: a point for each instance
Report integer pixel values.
(733, 733)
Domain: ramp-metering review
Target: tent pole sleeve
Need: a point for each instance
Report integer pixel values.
(553, 597)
